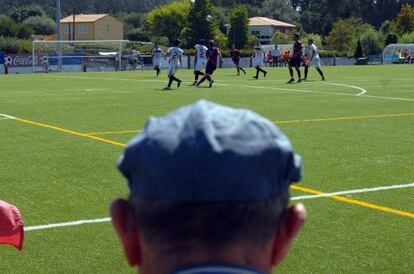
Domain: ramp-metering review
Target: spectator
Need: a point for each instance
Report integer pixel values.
(209, 185)
(11, 225)
(276, 53)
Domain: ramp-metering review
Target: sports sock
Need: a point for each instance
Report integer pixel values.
(170, 81)
(208, 77)
(320, 72)
(202, 80)
(257, 72)
(291, 72)
(299, 74)
(175, 78)
(306, 72)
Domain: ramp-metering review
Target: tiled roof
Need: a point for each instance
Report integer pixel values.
(263, 21)
(83, 18)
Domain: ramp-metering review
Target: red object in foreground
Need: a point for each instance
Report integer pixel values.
(11, 225)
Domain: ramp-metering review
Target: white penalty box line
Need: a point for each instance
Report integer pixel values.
(305, 197)
(6, 117)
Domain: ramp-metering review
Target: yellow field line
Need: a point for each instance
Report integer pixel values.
(346, 118)
(71, 132)
(283, 122)
(113, 132)
(356, 202)
(295, 187)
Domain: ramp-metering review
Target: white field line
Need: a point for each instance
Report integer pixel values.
(74, 223)
(6, 117)
(354, 191)
(362, 90)
(305, 197)
(255, 87)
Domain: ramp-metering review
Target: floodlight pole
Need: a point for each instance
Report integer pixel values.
(58, 36)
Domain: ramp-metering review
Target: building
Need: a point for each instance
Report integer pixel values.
(264, 28)
(91, 27)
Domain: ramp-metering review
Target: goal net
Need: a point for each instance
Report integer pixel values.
(100, 55)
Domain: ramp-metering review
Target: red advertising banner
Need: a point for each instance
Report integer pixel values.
(18, 60)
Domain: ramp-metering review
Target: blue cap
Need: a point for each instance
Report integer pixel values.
(206, 152)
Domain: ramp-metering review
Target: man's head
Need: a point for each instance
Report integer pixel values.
(275, 46)
(211, 43)
(156, 45)
(208, 184)
(310, 42)
(202, 42)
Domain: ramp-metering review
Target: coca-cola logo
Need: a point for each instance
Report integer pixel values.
(18, 60)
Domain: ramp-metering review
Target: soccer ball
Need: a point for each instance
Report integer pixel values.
(209, 18)
(44, 60)
(8, 61)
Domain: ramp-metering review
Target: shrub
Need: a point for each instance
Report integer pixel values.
(137, 35)
(13, 45)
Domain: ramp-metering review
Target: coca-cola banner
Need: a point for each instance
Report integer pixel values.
(18, 60)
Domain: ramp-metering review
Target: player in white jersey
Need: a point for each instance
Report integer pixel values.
(314, 60)
(258, 59)
(200, 60)
(157, 54)
(175, 54)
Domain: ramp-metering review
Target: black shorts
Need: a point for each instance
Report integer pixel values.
(295, 62)
(210, 68)
(236, 61)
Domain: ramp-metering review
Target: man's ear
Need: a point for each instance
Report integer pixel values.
(284, 235)
(127, 230)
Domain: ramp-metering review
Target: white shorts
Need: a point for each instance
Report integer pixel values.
(316, 62)
(156, 61)
(200, 65)
(257, 62)
(172, 69)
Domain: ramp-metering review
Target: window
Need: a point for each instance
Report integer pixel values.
(109, 29)
(255, 32)
(83, 29)
(66, 29)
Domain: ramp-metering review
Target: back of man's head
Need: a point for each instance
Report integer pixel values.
(209, 184)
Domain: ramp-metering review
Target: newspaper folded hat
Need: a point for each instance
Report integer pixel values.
(206, 152)
(11, 225)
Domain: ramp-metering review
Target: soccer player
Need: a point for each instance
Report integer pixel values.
(235, 56)
(200, 60)
(157, 54)
(258, 60)
(212, 54)
(296, 59)
(276, 53)
(314, 60)
(175, 54)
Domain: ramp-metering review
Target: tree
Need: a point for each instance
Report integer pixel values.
(392, 38)
(168, 20)
(22, 13)
(281, 38)
(198, 25)
(341, 38)
(8, 27)
(371, 43)
(40, 25)
(404, 23)
(239, 29)
(279, 9)
(358, 51)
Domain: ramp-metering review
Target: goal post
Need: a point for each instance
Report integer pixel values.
(95, 55)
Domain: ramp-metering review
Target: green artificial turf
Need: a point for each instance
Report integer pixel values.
(56, 177)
